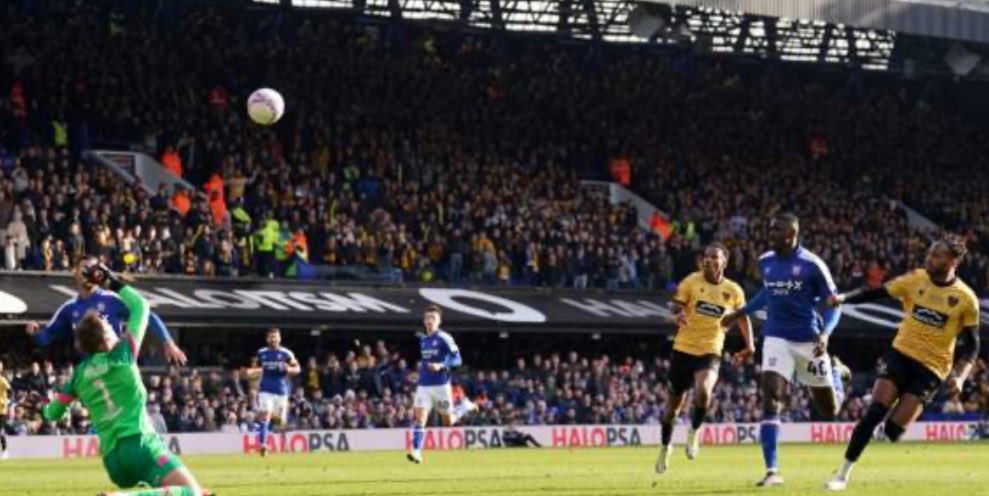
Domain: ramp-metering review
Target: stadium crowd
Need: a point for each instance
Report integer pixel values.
(468, 170)
(372, 387)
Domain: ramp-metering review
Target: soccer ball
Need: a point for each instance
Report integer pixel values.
(265, 106)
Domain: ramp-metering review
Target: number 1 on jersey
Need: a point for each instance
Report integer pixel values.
(111, 407)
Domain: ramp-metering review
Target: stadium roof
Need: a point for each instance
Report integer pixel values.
(965, 20)
(903, 36)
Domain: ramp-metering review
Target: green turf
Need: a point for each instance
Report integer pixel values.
(901, 470)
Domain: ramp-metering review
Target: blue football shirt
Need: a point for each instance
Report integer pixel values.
(794, 287)
(274, 376)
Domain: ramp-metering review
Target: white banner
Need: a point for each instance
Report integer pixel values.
(581, 436)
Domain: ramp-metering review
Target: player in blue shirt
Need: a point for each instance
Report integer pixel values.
(439, 355)
(107, 303)
(796, 283)
(274, 366)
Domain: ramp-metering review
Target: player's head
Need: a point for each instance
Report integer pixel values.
(784, 229)
(714, 261)
(274, 337)
(81, 270)
(94, 334)
(944, 256)
(432, 318)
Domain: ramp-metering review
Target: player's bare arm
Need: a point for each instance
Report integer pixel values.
(863, 295)
(32, 328)
(745, 328)
(293, 367)
(966, 353)
(679, 313)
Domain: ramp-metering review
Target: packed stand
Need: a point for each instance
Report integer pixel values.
(373, 388)
(467, 170)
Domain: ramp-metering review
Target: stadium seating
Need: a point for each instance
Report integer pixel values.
(372, 388)
(468, 171)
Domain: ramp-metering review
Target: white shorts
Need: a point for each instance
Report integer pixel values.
(275, 404)
(796, 361)
(440, 397)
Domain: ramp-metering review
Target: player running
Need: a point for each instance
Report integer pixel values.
(938, 311)
(795, 281)
(439, 356)
(108, 383)
(275, 365)
(701, 300)
(92, 296)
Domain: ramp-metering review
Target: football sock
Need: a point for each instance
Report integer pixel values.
(263, 434)
(863, 431)
(666, 430)
(418, 435)
(768, 434)
(697, 417)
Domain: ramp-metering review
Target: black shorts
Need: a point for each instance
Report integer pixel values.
(910, 376)
(683, 366)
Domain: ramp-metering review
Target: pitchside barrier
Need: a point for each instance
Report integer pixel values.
(581, 436)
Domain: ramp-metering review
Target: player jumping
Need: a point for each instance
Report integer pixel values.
(439, 355)
(92, 296)
(938, 310)
(795, 281)
(701, 300)
(108, 383)
(275, 365)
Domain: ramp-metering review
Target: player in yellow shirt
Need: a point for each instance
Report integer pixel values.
(701, 301)
(939, 311)
(4, 399)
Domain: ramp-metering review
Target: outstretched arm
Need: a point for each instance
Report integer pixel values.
(59, 325)
(173, 353)
(757, 303)
(862, 295)
(137, 324)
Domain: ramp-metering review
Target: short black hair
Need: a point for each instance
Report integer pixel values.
(273, 330)
(434, 309)
(788, 217)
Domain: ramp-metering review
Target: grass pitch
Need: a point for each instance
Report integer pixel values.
(900, 470)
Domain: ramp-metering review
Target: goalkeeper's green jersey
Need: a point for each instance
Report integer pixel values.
(109, 383)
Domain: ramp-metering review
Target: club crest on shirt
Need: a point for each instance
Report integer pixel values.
(953, 301)
(726, 295)
(796, 270)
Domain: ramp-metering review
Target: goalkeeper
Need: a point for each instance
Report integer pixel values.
(108, 383)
